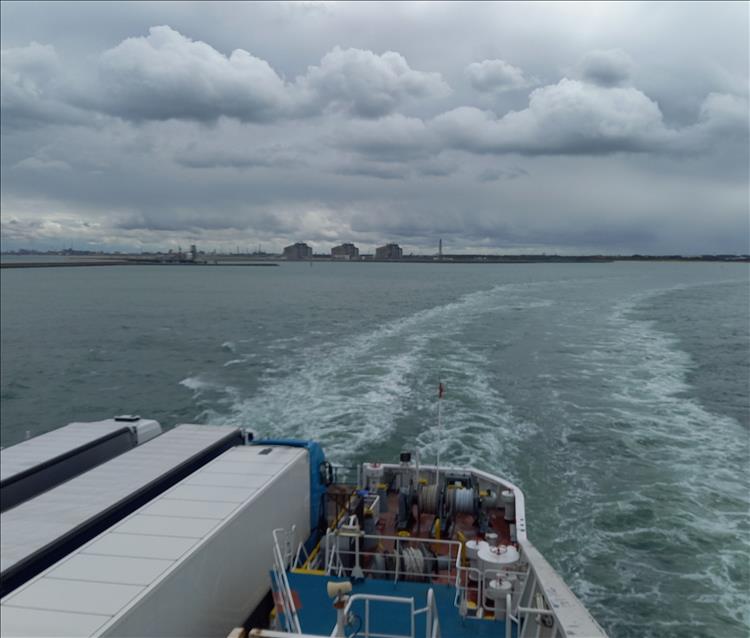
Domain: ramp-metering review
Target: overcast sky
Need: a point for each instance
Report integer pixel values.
(570, 127)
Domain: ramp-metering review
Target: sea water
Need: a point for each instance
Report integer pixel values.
(615, 395)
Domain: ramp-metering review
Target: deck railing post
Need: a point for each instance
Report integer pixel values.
(508, 621)
(398, 559)
(290, 611)
(428, 621)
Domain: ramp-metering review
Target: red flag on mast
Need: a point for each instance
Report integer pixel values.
(441, 390)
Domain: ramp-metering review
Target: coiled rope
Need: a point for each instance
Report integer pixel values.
(463, 501)
(428, 499)
(413, 560)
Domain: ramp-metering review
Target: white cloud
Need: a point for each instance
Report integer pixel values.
(365, 84)
(722, 112)
(723, 122)
(38, 62)
(167, 75)
(30, 78)
(496, 75)
(570, 117)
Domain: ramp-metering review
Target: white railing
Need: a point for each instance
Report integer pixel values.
(341, 562)
(468, 581)
(429, 472)
(432, 623)
(518, 576)
(280, 562)
(367, 598)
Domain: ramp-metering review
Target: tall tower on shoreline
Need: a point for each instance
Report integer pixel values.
(440, 249)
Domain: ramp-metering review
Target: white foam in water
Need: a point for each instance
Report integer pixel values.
(699, 458)
(234, 362)
(230, 346)
(479, 428)
(195, 384)
(222, 395)
(351, 393)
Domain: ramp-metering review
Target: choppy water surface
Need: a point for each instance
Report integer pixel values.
(615, 395)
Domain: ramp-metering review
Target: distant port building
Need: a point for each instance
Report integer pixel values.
(345, 251)
(298, 251)
(389, 251)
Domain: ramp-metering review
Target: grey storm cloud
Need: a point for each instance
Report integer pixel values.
(378, 170)
(494, 174)
(395, 138)
(194, 157)
(610, 67)
(29, 86)
(137, 125)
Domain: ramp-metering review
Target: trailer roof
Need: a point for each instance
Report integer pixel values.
(31, 528)
(88, 590)
(46, 447)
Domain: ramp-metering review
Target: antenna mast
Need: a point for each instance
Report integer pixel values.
(441, 393)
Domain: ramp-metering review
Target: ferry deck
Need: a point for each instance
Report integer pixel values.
(422, 552)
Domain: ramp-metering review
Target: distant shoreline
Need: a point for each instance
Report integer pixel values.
(79, 264)
(231, 260)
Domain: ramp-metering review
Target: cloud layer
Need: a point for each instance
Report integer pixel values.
(171, 129)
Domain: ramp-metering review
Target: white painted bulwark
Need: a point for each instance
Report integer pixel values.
(571, 616)
(195, 561)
